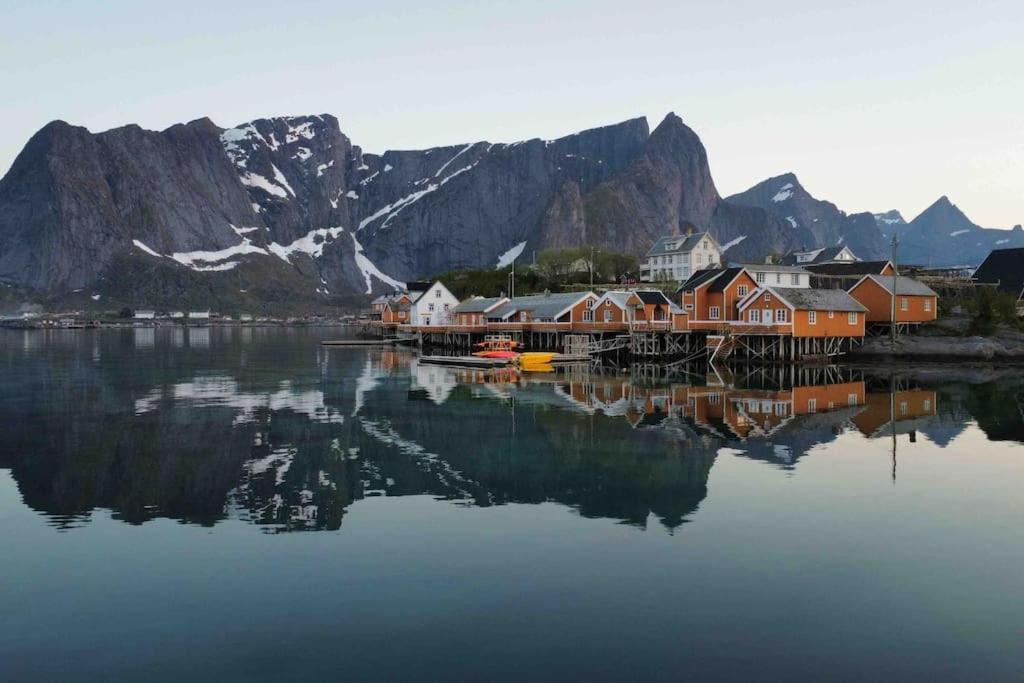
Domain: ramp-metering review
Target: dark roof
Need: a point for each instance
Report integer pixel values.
(682, 242)
(401, 305)
(728, 275)
(822, 255)
(1004, 267)
(699, 277)
(855, 268)
(817, 299)
(904, 285)
(652, 296)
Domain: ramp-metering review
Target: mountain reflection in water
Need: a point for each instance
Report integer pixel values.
(289, 436)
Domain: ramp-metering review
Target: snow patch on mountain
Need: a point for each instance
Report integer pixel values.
(393, 209)
(511, 255)
(792, 221)
(958, 232)
(783, 194)
(312, 243)
(369, 270)
(146, 249)
(733, 243)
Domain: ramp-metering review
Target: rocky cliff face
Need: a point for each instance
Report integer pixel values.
(814, 222)
(288, 210)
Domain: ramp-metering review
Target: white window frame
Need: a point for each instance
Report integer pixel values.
(812, 317)
(781, 315)
(759, 277)
(607, 315)
(795, 279)
(754, 315)
(904, 303)
(927, 305)
(588, 315)
(714, 313)
(851, 317)
(812, 405)
(742, 291)
(831, 314)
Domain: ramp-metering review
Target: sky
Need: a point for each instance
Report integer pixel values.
(874, 105)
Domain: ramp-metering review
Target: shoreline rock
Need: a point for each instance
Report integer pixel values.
(1003, 346)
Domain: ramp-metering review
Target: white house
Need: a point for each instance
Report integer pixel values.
(770, 275)
(677, 257)
(199, 315)
(144, 315)
(433, 307)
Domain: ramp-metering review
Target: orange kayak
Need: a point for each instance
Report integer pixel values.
(496, 354)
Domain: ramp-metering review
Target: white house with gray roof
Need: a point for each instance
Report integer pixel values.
(676, 257)
(433, 307)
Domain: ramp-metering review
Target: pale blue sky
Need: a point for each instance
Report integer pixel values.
(875, 105)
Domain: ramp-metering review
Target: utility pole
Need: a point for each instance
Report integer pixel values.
(895, 275)
(591, 267)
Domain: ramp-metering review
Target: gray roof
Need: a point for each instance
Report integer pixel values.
(619, 296)
(477, 304)
(685, 243)
(818, 299)
(539, 305)
(904, 285)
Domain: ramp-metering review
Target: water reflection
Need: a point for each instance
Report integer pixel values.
(270, 428)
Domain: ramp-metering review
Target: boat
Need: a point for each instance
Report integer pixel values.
(536, 357)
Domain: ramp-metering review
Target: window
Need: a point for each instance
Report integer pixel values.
(767, 298)
(760, 277)
(522, 316)
(831, 314)
(426, 321)
(430, 307)
(812, 404)
(700, 259)
(688, 307)
(780, 315)
(588, 316)
(903, 408)
(812, 317)
(607, 315)
(851, 399)
(446, 307)
(778, 278)
(590, 303)
(927, 405)
(904, 303)
(742, 291)
(794, 279)
(715, 313)
(851, 318)
(927, 305)
(437, 293)
(754, 315)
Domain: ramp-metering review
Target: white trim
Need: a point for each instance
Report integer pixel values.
(757, 294)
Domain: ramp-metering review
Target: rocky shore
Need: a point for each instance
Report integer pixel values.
(1004, 345)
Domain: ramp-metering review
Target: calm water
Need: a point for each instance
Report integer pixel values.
(243, 504)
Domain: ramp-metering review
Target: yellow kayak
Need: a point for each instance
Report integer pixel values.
(535, 358)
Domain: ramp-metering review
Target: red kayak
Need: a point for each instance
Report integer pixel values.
(496, 354)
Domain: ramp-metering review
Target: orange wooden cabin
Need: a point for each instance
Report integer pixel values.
(712, 296)
(915, 302)
(803, 313)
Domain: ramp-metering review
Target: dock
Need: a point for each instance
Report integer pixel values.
(466, 361)
(359, 342)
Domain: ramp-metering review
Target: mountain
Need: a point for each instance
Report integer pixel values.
(814, 222)
(287, 213)
(889, 221)
(942, 235)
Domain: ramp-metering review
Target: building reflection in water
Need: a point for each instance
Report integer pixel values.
(294, 447)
